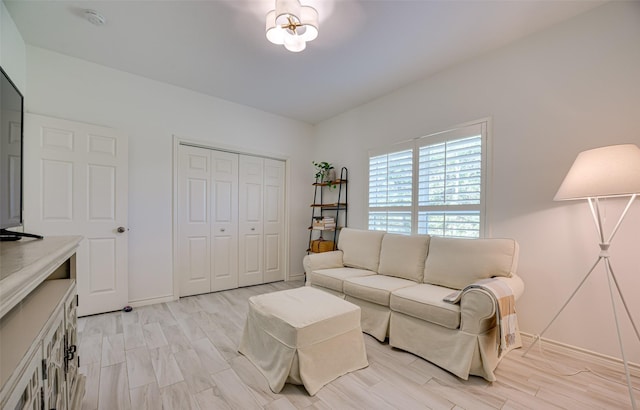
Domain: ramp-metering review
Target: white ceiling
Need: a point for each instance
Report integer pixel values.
(366, 48)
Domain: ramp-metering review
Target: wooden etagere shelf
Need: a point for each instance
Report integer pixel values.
(328, 213)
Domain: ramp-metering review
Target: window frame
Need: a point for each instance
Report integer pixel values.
(480, 127)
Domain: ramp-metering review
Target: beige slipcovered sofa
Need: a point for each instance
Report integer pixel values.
(399, 282)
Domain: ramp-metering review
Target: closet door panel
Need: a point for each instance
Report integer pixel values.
(274, 196)
(224, 245)
(250, 224)
(194, 222)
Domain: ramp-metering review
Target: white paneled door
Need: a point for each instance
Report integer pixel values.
(194, 220)
(273, 220)
(76, 184)
(250, 223)
(224, 221)
(230, 220)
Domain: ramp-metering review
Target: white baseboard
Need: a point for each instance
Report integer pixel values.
(295, 276)
(145, 302)
(604, 360)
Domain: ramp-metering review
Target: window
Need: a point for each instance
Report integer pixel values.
(433, 185)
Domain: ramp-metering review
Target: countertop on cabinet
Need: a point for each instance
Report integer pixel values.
(26, 263)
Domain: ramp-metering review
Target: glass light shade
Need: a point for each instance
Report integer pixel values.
(309, 18)
(274, 33)
(294, 43)
(286, 9)
(291, 24)
(603, 172)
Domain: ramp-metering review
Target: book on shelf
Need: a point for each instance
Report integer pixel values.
(324, 223)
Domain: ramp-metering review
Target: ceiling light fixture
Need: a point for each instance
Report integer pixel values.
(94, 17)
(292, 25)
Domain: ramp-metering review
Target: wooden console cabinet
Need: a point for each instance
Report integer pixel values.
(38, 325)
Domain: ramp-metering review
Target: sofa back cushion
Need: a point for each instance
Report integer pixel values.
(456, 263)
(403, 256)
(360, 248)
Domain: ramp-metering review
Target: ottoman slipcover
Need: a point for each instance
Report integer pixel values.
(303, 336)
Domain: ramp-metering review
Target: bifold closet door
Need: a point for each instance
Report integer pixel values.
(261, 227)
(273, 220)
(250, 227)
(207, 220)
(230, 220)
(224, 218)
(194, 220)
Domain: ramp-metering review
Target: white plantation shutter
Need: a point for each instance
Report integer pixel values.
(450, 182)
(390, 191)
(439, 192)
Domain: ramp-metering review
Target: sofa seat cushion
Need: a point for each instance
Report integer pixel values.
(375, 289)
(332, 278)
(425, 302)
(403, 256)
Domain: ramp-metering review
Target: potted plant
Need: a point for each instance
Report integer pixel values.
(324, 172)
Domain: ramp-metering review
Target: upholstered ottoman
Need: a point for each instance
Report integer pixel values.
(303, 336)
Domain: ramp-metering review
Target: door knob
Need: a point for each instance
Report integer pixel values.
(221, 229)
(253, 229)
(121, 229)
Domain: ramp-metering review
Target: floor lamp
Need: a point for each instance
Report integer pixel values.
(612, 171)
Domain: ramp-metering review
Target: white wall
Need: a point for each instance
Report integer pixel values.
(572, 87)
(12, 50)
(150, 113)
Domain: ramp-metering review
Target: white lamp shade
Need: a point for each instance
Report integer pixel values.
(294, 43)
(603, 172)
(291, 24)
(309, 17)
(275, 34)
(286, 9)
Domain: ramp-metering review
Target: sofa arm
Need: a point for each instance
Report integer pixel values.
(477, 310)
(515, 283)
(324, 260)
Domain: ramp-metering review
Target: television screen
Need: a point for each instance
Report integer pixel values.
(11, 118)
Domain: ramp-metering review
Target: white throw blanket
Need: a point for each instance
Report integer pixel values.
(505, 303)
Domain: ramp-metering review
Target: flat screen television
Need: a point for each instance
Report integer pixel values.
(11, 149)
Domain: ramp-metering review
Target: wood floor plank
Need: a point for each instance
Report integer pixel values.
(165, 366)
(139, 367)
(234, 391)
(114, 388)
(254, 380)
(454, 395)
(112, 349)
(177, 396)
(209, 356)
(175, 337)
(90, 350)
(227, 348)
(394, 396)
(133, 336)
(128, 318)
(106, 324)
(92, 385)
(195, 375)
(154, 336)
(280, 404)
(191, 329)
(518, 397)
(211, 399)
(359, 392)
(395, 377)
(184, 356)
(146, 397)
(298, 396)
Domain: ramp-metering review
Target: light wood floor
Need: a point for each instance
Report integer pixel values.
(182, 355)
